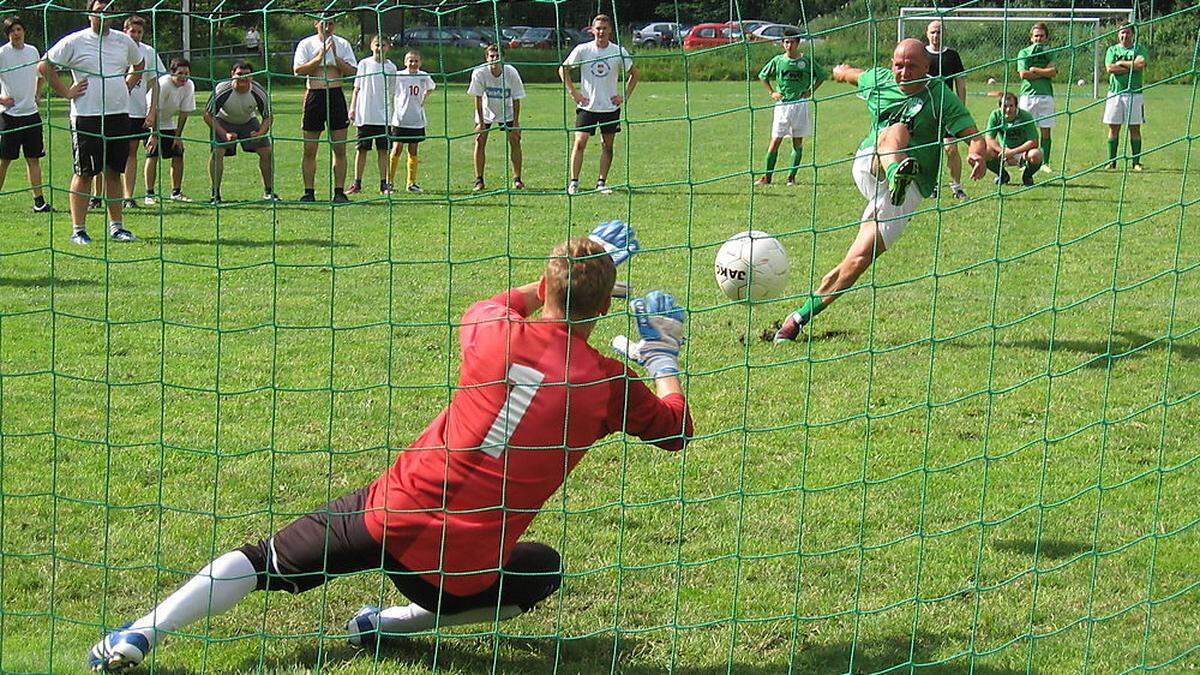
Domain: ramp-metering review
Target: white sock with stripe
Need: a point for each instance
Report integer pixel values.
(215, 589)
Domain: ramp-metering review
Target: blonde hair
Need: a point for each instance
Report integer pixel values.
(579, 278)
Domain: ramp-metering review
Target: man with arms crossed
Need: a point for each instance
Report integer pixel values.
(498, 90)
(896, 165)
(599, 104)
(1037, 70)
(444, 523)
(945, 63)
(20, 123)
(233, 113)
(1124, 62)
(324, 60)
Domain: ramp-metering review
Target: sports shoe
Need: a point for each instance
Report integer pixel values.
(129, 203)
(478, 187)
(150, 200)
(1111, 166)
(573, 187)
(387, 189)
(95, 203)
(353, 189)
(900, 177)
(518, 184)
(119, 650)
(602, 187)
(1046, 169)
(180, 197)
(959, 193)
(791, 181)
(44, 208)
(363, 628)
(415, 189)
(790, 330)
(1137, 166)
(340, 198)
(121, 234)
(308, 197)
(267, 197)
(763, 181)
(1003, 177)
(81, 237)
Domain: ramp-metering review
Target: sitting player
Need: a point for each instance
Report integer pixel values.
(369, 109)
(413, 87)
(176, 99)
(444, 522)
(233, 115)
(1012, 140)
(795, 77)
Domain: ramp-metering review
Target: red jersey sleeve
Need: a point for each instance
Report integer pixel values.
(506, 306)
(637, 411)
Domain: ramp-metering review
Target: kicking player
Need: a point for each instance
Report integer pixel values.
(233, 113)
(324, 60)
(370, 109)
(1012, 140)
(444, 523)
(945, 62)
(1037, 70)
(143, 103)
(20, 123)
(99, 59)
(1124, 62)
(896, 165)
(790, 78)
(599, 104)
(413, 87)
(498, 90)
(176, 99)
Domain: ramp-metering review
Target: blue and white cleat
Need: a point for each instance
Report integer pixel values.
(118, 651)
(363, 628)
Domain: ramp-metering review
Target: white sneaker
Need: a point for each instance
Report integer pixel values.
(573, 187)
(180, 197)
(602, 187)
(150, 200)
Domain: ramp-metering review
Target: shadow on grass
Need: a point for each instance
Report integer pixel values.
(1055, 549)
(248, 243)
(1125, 345)
(892, 652)
(43, 282)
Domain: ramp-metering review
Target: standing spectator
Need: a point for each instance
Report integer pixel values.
(324, 60)
(20, 123)
(408, 116)
(498, 90)
(945, 63)
(233, 113)
(176, 98)
(1037, 70)
(369, 110)
(791, 78)
(1124, 62)
(143, 103)
(253, 39)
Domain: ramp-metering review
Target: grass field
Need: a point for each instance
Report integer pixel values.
(984, 458)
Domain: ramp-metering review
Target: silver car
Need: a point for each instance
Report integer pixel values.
(658, 34)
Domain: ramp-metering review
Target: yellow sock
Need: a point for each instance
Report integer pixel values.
(393, 164)
(412, 169)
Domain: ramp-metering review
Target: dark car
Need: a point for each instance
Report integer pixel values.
(435, 37)
(483, 35)
(544, 38)
(658, 34)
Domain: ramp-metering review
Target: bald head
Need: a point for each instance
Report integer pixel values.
(933, 34)
(910, 65)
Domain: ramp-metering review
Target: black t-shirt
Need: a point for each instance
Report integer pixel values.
(947, 64)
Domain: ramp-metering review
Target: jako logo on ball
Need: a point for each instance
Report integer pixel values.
(751, 265)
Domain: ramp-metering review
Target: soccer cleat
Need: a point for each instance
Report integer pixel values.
(271, 197)
(81, 237)
(900, 177)
(340, 198)
(1137, 166)
(354, 189)
(121, 234)
(180, 197)
(518, 184)
(363, 628)
(1027, 178)
(95, 203)
(119, 650)
(602, 187)
(763, 181)
(1003, 177)
(387, 189)
(150, 200)
(790, 330)
(129, 203)
(44, 207)
(959, 193)
(791, 181)
(415, 189)
(479, 186)
(1046, 169)
(308, 198)
(573, 187)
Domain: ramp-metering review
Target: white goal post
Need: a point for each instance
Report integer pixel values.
(1092, 17)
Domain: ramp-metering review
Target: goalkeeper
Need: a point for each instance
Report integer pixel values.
(444, 521)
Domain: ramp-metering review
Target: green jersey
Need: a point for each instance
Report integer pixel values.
(1124, 83)
(1035, 56)
(793, 77)
(933, 113)
(1012, 133)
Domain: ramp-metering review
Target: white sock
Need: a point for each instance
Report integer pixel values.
(955, 185)
(215, 589)
(414, 618)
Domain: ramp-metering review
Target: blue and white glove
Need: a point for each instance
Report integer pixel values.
(618, 239)
(660, 329)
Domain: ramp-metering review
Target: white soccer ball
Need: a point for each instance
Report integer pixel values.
(991, 80)
(752, 265)
(1081, 82)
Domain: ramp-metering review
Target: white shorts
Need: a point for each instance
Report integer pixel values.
(1041, 107)
(792, 119)
(891, 220)
(1124, 109)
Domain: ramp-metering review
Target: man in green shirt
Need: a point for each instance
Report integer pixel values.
(896, 165)
(1012, 140)
(1124, 62)
(1036, 67)
(790, 78)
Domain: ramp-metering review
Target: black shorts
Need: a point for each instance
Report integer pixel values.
(373, 135)
(334, 541)
(137, 129)
(100, 142)
(607, 122)
(325, 108)
(22, 133)
(169, 145)
(502, 126)
(407, 134)
(242, 131)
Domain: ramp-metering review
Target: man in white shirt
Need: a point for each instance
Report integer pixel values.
(324, 60)
(498, 90)
(599, 104)
(20, 123)
(413, 87)
(176, 99)
(370, 106)
(143, 106)
(252, 39)
(233, 114)
(99, 60)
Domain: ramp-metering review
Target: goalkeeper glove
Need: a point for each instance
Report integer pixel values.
(660, 332)
(618, 239)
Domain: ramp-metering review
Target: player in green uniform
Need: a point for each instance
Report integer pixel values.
(1124, 62)
(1012, 140)
(896, 165)
(1037, 69)
(790, 78)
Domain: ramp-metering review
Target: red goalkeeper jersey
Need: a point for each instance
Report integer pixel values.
(531, 399)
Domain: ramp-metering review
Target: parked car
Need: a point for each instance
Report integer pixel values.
(774, 31)
(544, 38)
(434, 37)
(484, 36)
(585, 34)
(510, 33)
(711, 35)
(659, 34)
(748, 25)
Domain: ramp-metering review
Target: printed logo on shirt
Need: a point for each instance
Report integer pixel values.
(601, 68)
(498, 92)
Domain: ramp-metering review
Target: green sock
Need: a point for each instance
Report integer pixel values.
(813, 307)
(1112, 149)
(797, 153)
(1046, 143)
(1135, 144)
(993, 165)
(772, 157)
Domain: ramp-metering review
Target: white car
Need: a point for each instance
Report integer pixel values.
(773, 32)
(658, 34)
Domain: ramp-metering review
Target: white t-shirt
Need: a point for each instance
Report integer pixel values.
(308, 48)
(139, 99)
(173, 99)
(599, 68)
(252, 38)
(375, 82)
(498, 92)
(110, 55)
(411, 89)
(18, 79)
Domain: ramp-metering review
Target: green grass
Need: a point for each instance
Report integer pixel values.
(985, 456)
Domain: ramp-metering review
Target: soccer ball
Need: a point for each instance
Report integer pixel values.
(991, 80)
(751, 265)
(1081, 82)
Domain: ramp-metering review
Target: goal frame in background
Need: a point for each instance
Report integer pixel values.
(1089, 16)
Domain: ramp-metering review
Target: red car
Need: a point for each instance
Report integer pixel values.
(711, 35)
